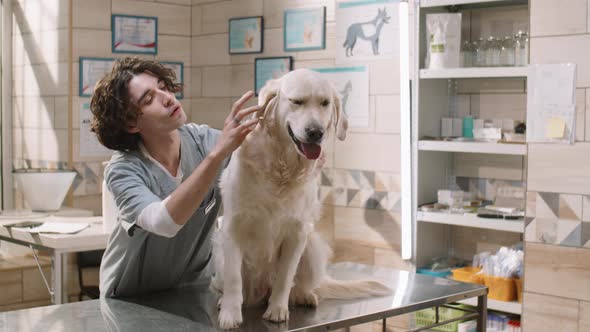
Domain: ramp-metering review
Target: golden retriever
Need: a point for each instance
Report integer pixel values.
(267, 248)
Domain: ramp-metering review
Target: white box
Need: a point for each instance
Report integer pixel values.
(457, 127)
(446, 127)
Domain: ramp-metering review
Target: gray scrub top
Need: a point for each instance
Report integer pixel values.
(137, 261)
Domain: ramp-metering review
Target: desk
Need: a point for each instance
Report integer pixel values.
(59, 245)
(195, 309)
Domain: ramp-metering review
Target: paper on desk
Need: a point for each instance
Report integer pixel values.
(58, 228)
(551, 103)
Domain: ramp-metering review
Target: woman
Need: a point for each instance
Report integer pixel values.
(163, 177)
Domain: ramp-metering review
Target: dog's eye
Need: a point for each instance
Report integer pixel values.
(325, 103)
(297, 101)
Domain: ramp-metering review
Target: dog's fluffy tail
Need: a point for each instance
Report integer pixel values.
(351, 289)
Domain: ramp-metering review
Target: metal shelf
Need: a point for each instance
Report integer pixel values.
(470, 3)
(510, 307)
(471, 220)
(474, 72)
(473, 147)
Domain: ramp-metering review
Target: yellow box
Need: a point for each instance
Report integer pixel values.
(502, 289)
(468, 274)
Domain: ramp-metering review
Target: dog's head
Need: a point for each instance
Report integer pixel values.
(304, 106)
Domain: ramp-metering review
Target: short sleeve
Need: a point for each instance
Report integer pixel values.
(129, 184)
(206, 138)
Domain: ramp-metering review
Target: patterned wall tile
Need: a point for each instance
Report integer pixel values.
(555, 218)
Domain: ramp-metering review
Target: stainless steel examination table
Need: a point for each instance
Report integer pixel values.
(195, 309)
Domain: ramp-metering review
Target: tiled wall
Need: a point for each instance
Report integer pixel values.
(39, 87)
(360, 186)
(557, 273)
(92, 38)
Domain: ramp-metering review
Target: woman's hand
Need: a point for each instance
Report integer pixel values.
(237, 126)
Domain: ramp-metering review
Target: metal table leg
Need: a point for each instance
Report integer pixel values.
(59, 277)
(482, 310)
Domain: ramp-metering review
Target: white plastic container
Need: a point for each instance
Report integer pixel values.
(44, 190)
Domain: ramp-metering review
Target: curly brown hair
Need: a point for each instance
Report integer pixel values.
(111, 104)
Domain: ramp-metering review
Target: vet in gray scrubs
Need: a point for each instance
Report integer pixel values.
(137, 261)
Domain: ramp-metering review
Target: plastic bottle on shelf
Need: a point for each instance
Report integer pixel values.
(507, 52)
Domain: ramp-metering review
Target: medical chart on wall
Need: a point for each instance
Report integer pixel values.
(367, 30)
(352, 83)
(551, 103)
(134, 34)
(89, 144)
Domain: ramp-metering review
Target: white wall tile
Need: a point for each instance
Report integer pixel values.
(232, 81)
(313, 64)
(61, 112)
(172, 19)
(92, 14)
(48, 79)
(559, 168)
(383, 155)
(45, 144)
(38, 112)
(92, 43)
(211, 111)
(575, 49)
(196, 20)
(549, 17)
(42, 47)
(174, 48)
(216, 15)
(384, 77)
(210, 50)
(387, 114)
(196, 82)
(375, 228)
(587, 122)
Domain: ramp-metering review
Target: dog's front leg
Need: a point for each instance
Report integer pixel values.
(230, 314)
(291, 251)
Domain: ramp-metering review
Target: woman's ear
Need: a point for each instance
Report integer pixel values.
(340, 119)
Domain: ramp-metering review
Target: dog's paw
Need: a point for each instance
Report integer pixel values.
(306, 299)
(276, 314)
(230, 314)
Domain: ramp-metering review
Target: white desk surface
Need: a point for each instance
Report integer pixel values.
(91, 238)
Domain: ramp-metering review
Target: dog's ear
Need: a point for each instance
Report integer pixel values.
(340, 119)
(268, 96)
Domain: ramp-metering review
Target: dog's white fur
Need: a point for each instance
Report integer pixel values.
(267, 248)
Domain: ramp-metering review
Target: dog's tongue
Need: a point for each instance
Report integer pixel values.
(311, 151)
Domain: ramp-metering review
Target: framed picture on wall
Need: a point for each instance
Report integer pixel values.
(266, 69)
(305, 29)
(134, 34)
(246, 35)
(92, 70)
(178, 68)
(352, 83)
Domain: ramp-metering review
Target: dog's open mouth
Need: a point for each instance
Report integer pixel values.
(309, 150)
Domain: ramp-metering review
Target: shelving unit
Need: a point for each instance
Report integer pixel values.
(436, 164)
(509, 307)
(472, 220)
(473, 147)
(475, 72)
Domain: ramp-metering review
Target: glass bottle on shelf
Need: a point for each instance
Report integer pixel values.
(492, 52)
(479, 53)
(466, 54)
(521, 48)
(507, 52)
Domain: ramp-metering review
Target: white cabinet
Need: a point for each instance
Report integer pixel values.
(482, 92)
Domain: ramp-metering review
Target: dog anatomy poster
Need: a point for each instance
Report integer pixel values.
(352, 83)
(367, 30)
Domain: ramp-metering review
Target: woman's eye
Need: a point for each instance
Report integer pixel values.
(325, 103)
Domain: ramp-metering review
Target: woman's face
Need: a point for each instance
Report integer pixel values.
(161, 113)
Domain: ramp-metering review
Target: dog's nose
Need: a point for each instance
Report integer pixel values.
(314, 134)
